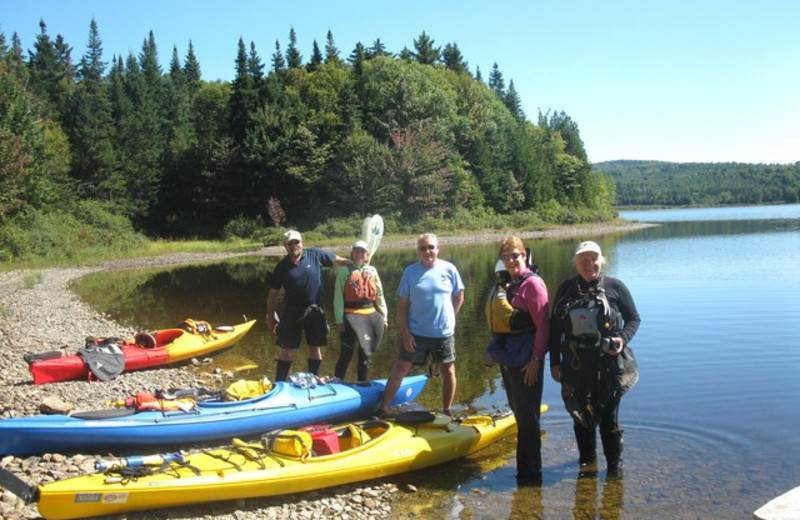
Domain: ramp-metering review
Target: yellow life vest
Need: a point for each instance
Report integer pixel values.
(501, 317)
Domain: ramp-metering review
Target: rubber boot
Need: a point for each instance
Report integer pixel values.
(282, 369)
(587, 445)
(612, 448)
(314, 365)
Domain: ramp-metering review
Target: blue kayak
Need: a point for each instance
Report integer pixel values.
(286, 405)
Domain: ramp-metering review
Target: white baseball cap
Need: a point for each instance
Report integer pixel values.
(588, 247)
(291, 235)
(360, 244)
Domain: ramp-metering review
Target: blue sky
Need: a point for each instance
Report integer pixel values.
(679, 80)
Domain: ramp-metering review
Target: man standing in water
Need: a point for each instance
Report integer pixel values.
(299, 273)
(430, 294)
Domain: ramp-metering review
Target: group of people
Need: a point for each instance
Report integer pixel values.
(586, 332)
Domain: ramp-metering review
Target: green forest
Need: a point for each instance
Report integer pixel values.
(649, 183)
(115, 149)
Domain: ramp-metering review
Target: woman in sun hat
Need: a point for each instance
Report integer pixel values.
(593, 321)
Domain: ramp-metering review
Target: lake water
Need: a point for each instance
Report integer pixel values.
(711, 429)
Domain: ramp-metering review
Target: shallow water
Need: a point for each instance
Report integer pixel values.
(710, 429)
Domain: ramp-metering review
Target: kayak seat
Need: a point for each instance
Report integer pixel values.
(352, 436)
(145, 339)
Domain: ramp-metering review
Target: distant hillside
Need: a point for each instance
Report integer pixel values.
(646, 183)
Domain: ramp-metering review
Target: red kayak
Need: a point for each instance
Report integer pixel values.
(146, 350)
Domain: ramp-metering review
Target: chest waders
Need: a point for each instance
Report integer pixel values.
(589, 377)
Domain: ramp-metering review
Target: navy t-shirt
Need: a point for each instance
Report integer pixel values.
(302, 283)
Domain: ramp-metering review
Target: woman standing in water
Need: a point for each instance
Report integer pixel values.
(594, 319)
(518, 317)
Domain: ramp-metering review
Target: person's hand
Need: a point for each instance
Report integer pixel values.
(385, 326)
(618, 345)
(555, 373)
(408, 342)
(340, 328)
(531, 370)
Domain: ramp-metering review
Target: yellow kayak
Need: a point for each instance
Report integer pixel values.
(277, 465)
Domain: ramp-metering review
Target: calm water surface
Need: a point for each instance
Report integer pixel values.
(710, 429)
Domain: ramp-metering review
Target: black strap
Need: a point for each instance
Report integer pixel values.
(11, 482)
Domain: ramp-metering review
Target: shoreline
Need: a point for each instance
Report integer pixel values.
(39, 312)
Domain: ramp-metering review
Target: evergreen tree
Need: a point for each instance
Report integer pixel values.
(241, 102)
(316, 58)
(91, 126)
(453, 60)
(191, 71)
(357, 58)
(278, 63)
(406, 55)
(255, 69)
(48, 71)
(496, 82)
(426, 53)
(478, 75)
(175, 69)
(513, 102)
(377, 49)
(331, 52)
(293, 58)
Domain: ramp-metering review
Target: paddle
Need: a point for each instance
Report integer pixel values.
(372, 233)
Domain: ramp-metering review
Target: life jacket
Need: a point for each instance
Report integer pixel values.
(202, 328)
(360, 288)
(500, 315)
(586, 316)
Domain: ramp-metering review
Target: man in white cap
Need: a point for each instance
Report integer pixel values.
(299, 274)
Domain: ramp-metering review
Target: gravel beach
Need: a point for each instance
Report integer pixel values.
(38, 312)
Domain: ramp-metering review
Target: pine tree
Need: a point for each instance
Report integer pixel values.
(240, 102)
(513, 102)
(377, 49)
(406, 55)
(357, 58)
(278, 63)
(91, 126)
(426, 53)
(331, 52)
(452, 58)
(48, 72)
(478, 75)
(191, 71)
(293, 58)
(316, 58)
(496, 82)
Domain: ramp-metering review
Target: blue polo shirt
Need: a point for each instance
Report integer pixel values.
(302, 283)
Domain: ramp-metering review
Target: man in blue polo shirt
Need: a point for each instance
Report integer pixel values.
(299, 273)
(429, 296)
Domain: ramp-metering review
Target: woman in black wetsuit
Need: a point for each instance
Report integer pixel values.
(593, 319)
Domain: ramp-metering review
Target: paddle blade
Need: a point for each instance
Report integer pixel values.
(372, 232)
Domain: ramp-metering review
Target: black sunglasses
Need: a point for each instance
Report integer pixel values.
(429, 247)
(510, 256)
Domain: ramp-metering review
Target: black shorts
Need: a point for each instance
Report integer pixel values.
(441, 350)
(295, 322)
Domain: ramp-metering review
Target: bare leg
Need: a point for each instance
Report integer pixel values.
(399, 371)
(448, 385)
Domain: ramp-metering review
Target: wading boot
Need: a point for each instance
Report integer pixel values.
(587, 445)
(612, 448)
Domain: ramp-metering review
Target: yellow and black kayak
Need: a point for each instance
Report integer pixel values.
(281, 463)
